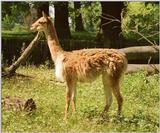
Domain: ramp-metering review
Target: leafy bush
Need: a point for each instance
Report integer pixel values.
(83, 35)
(19, 28)
(143, 18)
(13, 15)
(7, 23)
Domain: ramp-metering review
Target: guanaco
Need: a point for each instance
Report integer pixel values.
(84, 65)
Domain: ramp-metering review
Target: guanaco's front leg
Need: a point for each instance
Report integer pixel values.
(70, 95)
(68, 99)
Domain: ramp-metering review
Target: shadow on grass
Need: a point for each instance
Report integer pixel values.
(96, 115)
(18, 76)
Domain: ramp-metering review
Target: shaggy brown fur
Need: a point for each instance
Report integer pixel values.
(84, 65)
(87, 64)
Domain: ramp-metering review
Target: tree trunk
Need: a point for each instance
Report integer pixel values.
(18, 104)
(61, 20)
(142, 54)
(11, 70)
(111, 30)
(78, 17)
(149, 68)
(42, 6)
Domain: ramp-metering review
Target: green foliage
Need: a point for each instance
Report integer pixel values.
(19, 28)
(142, 17)
(7, 23)
(140, 109)
(14, 8)
(21, 32)
(90, 12)
(91, 16)
(17, 34)
(13, 14)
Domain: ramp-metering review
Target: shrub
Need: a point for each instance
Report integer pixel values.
(19, 28)
(7, 23)
(141, 17)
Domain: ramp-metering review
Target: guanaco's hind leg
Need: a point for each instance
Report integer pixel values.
(70, 95)
(107, 91)
(74, 93)
(115, 83)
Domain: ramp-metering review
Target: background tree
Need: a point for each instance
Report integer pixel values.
(90, 13)
(111, 30)
(42, 6)
(61, 20)
(78, 17)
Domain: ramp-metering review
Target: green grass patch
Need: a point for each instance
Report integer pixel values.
(140, 109)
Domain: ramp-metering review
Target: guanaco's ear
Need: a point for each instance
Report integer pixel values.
(43, 14)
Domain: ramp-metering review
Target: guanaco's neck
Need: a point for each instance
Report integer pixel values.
(53, 42)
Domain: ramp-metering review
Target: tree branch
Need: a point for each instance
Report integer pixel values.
(113, 19)
(11, 70)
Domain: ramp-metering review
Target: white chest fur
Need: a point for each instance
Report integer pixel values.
(59, 68)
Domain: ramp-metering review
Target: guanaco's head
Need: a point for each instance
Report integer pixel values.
(41, 23)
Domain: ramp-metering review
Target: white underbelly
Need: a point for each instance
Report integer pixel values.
(59, 69)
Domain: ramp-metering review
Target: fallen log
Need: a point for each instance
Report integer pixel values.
(141, 53)
(11, 70)
(149, 68)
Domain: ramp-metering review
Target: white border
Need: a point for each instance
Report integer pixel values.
(61, 1)
(0, 74)
(85, 0)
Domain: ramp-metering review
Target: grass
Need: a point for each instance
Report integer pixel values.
(140, 109)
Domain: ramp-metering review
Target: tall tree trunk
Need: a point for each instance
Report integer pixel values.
(78, 17)
(42, 6)
(111, 31)
(61, 20)
(11, 70)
